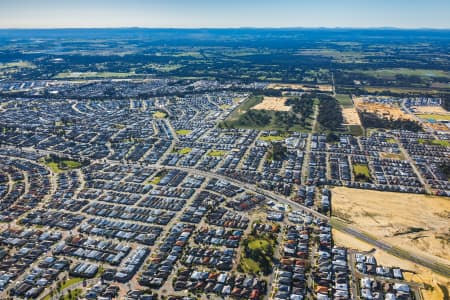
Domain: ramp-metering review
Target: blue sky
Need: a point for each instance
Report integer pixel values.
(226, 13)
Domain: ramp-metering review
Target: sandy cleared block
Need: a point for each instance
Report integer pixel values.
(273, 103)
(351, 116)
(419, 274)
(416, 223)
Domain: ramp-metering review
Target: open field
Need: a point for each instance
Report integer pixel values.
(391, 73)
(164, 67)
(344, 100)
(63, 165)
(244, 107)
(419, 274)
(94, 75)
(401, 90)
(272, 138)
(273, 103)
(443, 143)
(351, 116)
(434, 117)
(419, 223)
(292, 86)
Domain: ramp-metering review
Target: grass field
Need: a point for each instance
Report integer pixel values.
(63, 165)
(248, 265)
(185, 151)
(246, 117)
(183, 131)
(159, 115)
(244, 107)
(164, 67)
(391, 141)
(260, 247)
(70, 282)
(401, 90)
(344, 100)
(361, 172)
(259, 244)
(216, 153)
(272, 138)
(155, 180)
(434, 117)
(355, 130)
(444, 143)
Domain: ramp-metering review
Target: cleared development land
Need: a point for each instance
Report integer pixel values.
(418, 223)
(292, 86)
(434, 284)
(273, 104)
(384, 111)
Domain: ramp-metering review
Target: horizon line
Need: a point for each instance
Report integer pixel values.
(225, 27)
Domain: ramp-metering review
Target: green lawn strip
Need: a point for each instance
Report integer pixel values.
(183, 131)
(344, 100)
(159, 115)
(216, 153)
(361, 172)
(435, 117)
(272, 138)
(443, 143)
(185, 151)
(71, 281)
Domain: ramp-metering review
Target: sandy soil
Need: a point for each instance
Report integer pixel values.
(438, 126)
(273, 103)
(416, 223)
(430, 110)
(351, 116)
(318, 87)
(423, 275)
(382, 110)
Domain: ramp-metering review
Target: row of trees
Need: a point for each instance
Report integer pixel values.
(330, 113)
(371, 120)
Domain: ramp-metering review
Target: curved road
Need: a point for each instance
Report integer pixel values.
(437, 267)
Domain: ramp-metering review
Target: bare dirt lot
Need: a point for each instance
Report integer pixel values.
(273, 103)
(438, 126)
(416, 223)
(292, 86)
(351, 116)
(382, 110)
(419, 274)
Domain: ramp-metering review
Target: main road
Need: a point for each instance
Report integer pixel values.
(338, 225)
